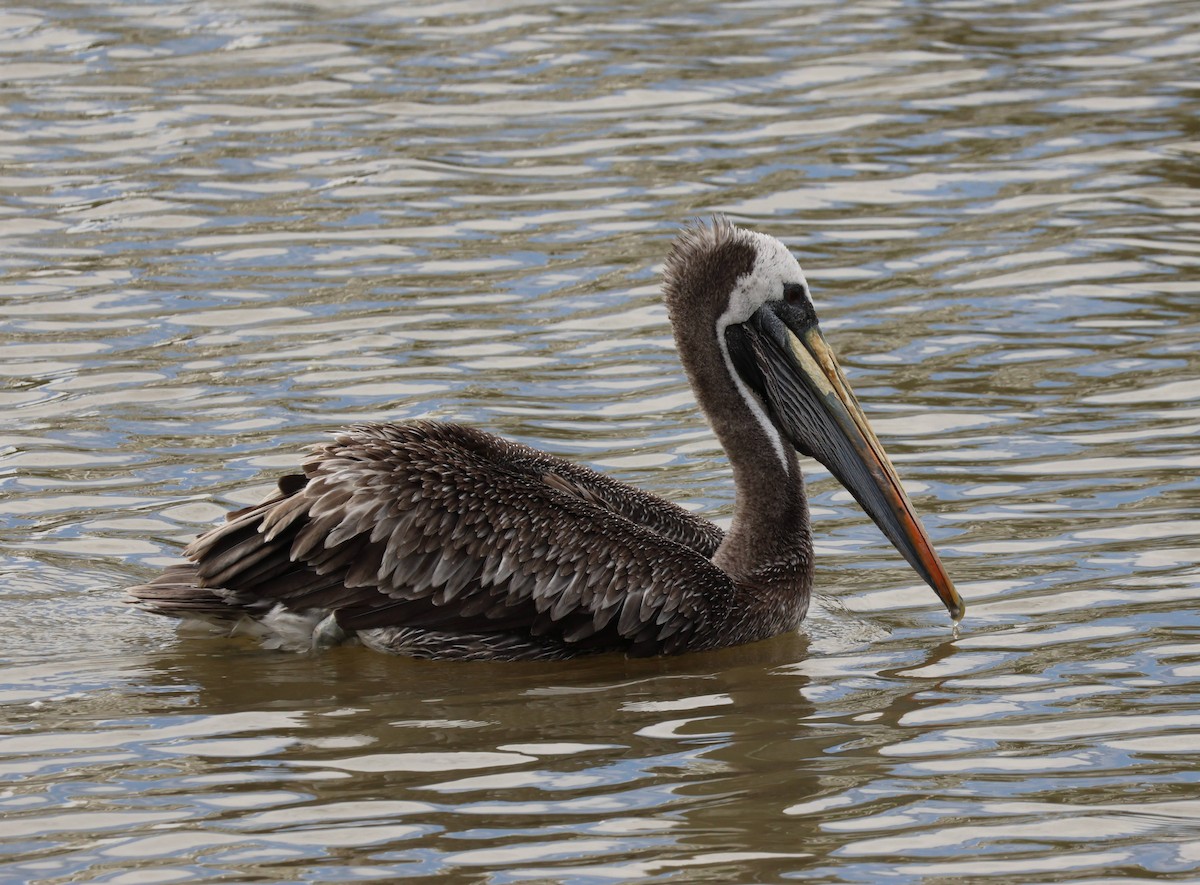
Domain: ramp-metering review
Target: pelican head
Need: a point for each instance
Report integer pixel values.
(747, 334)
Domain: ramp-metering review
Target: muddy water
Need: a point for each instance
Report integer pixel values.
(225, 228)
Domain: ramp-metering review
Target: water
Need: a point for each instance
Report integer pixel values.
(226, 228)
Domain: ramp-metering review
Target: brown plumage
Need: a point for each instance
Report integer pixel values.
(438, 540)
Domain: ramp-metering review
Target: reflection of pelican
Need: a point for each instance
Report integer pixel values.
(438, 540)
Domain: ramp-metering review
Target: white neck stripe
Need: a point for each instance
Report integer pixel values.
(749, 398)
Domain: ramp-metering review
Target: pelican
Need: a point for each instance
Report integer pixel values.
(437, 540)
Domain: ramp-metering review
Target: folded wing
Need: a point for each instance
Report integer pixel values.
(442, 528)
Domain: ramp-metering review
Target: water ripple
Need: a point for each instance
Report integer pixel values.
(228, 229)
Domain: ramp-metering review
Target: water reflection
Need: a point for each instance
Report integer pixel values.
(606, 760)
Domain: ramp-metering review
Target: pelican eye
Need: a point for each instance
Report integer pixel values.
(793, 293)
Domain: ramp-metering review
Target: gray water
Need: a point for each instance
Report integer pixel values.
(227, 228)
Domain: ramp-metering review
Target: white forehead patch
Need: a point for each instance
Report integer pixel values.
(773, 266)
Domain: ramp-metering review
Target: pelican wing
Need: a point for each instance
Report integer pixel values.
(444, 528)
(665, 519)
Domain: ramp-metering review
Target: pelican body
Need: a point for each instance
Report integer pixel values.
(437, 540)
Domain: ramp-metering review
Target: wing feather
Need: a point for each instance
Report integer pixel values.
(447, 528)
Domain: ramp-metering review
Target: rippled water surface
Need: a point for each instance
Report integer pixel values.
(227, 227)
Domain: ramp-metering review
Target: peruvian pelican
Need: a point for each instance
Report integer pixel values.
(437, 540)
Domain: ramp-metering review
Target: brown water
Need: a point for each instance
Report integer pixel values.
(225, 228)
